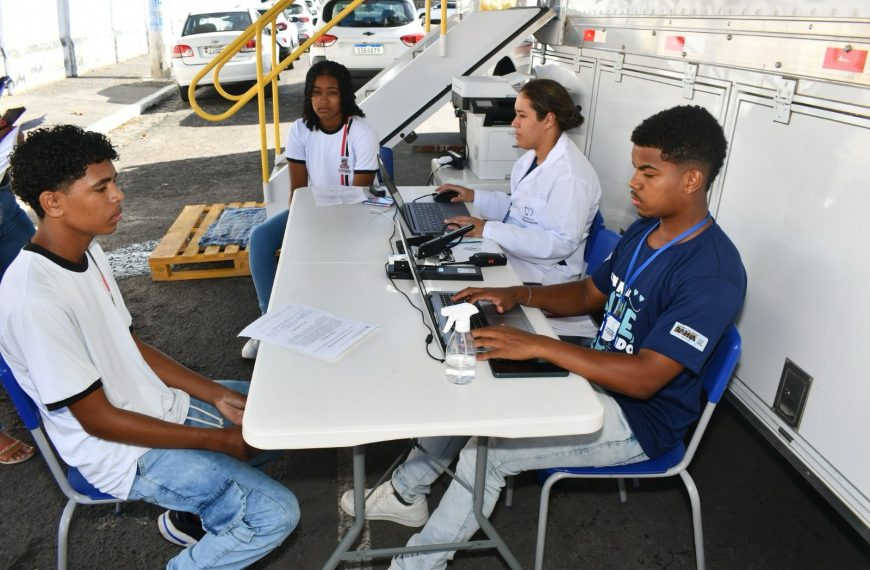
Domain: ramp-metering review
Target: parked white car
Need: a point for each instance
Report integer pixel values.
(435, 13)
(204, 35)
(299, 14)
(371, 37)
(287, 35)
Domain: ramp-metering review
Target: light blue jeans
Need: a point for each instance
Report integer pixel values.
(16, 229)
(266, 239)
(453, 520)
(246, 513)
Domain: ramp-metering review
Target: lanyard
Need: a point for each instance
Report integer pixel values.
(529, 171)
(630, 277)
(345, 153)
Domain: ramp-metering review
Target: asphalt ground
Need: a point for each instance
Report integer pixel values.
(758, 511)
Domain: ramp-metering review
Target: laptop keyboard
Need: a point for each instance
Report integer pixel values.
(429, 216)
(478, 320)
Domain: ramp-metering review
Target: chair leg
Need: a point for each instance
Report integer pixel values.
(63, 534)
(509, 491)
(623, 496)
(542, 519)
(697, 527)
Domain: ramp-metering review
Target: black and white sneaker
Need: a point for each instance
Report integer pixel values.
(178, 527)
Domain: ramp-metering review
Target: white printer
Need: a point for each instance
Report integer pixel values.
(487, 104)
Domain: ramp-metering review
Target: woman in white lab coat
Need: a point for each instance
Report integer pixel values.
(542, 225)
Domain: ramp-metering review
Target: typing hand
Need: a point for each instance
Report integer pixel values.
(507, 342)
(504, 298)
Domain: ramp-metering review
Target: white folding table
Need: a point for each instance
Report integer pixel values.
(386, 387)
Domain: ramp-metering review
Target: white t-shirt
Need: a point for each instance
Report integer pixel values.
(65, 332)
(322, 152)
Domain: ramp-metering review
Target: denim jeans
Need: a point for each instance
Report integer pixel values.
(15, 228)
(265, 241)
(246, 513)
(453, 520)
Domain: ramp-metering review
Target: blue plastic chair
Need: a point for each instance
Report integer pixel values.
(594, 228)
(715, 379)
(73, 485)
(600, 243)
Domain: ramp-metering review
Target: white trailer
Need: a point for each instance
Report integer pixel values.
(790, 82)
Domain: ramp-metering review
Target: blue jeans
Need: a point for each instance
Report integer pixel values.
(265, 241)
(453, 520)
(15, 228)
(246, 513)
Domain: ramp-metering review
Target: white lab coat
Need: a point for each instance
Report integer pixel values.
(547, 215)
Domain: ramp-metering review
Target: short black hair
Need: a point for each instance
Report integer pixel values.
(688, 133)
(54, 158)
(349, 107)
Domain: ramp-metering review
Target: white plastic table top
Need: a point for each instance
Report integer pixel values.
(386, 387)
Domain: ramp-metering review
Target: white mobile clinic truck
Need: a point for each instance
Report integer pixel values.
(790, 83)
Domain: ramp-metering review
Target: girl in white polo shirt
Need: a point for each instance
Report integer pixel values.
(331, 145)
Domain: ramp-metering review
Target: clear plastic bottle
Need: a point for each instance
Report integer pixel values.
(460, 360)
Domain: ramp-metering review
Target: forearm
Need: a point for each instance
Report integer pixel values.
(123, 426)
(176, 375)
(569, 298)
(635, 375)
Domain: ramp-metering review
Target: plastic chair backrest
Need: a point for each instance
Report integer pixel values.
(594, 229)
(719, 370)
(26, 407)
(602, 247)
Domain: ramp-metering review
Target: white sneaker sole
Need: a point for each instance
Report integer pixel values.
(172, 534)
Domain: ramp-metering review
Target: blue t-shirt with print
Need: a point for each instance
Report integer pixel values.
(679, 306)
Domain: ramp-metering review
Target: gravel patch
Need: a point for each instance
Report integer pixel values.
(132, 260)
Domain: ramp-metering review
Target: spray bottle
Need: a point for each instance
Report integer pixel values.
(460, 357)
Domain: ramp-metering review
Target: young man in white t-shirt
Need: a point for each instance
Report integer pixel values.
(137, 424)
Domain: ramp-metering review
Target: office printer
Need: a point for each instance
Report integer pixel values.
(485, 106)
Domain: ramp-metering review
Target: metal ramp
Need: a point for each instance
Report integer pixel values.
(405, 94)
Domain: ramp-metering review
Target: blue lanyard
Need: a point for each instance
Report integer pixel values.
(630, 277)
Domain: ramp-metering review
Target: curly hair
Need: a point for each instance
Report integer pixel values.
(349, 107)
(548, 96)
(688, 133)
(54, 158)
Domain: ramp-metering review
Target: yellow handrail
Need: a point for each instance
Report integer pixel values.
(255, 30)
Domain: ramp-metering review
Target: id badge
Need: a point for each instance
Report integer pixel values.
(610, 327)
(344, 165)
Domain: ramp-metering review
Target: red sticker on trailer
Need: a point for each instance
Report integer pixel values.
(675, 43)
(593, 35)
(842, 60)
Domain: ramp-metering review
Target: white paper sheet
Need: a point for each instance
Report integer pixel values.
(308, 330)
(338, 195)
(574, 326)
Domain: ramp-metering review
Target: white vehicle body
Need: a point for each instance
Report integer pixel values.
(286, 36)
(203, 37)
(435, 13)
(299, 14)
(790, 83)
(371, 38)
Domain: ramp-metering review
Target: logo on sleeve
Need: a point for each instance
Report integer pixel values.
(689, 336)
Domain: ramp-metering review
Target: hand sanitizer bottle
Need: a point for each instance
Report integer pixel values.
(460, 357)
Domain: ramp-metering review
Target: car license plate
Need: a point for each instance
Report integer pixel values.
(368, 49)
(212, 50)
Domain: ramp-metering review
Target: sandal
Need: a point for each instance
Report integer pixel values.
(15, 452)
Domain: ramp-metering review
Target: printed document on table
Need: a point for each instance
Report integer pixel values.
(338, 195)
(308, 330)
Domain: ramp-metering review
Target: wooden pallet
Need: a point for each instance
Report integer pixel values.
(178, 256)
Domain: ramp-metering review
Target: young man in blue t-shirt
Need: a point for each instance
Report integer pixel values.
(671, 288)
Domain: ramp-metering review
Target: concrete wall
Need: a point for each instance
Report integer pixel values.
(33, 36)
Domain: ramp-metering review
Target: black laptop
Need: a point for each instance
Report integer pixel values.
(422, 218)
(487, 316)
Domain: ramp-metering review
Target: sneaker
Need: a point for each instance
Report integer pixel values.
(250, 349)
(178, 527)
(383, 505)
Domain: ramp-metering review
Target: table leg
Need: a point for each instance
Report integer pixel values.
(485, 525)
(359, 508)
